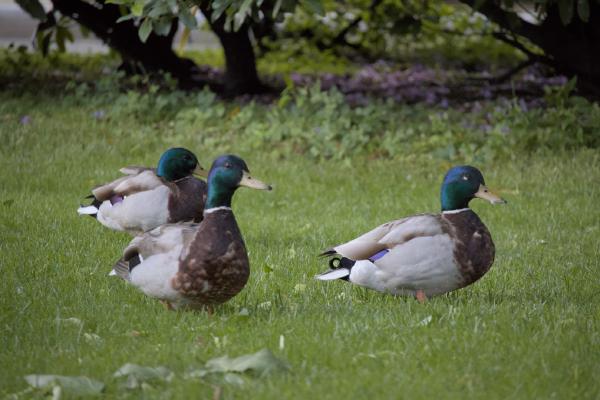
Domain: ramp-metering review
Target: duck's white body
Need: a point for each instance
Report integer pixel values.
(138, 212)
(141, 201)
(159, 252)
(413, 254)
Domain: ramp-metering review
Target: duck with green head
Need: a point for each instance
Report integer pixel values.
(427, 254)
(146, 197)
(195, 265)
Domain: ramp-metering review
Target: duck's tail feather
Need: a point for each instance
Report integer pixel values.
(123, 267)
(341, 273)
(87, 210)
(340, 269)
(92, 209)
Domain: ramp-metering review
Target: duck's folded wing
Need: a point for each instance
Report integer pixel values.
(161, 240)
(389, 235)
(127, 185)
(134, 170)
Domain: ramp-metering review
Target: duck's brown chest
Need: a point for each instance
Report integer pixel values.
(216, 266)
(474, 249)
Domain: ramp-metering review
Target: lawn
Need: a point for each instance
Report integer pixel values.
(529, 329)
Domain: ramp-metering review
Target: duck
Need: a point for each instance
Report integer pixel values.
(146, 198)
(195, 265)
(424, 255)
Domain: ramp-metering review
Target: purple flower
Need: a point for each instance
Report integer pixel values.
(100, 114)
(430, 97)
(523, 105)
(25, 120)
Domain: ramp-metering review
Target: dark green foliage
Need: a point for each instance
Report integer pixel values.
(33, 8)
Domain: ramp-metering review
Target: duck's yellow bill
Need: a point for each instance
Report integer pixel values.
(199, 171)
(485, 194)
(252, 183)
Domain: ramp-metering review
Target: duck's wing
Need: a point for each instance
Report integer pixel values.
(145, 179)
(137, 179)
(161, 241)
(134, 170)
(388, 236)
(400, 257)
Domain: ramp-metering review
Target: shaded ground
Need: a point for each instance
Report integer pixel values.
(421, 84)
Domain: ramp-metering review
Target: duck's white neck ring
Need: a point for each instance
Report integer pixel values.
(212, 210)
(453, 211)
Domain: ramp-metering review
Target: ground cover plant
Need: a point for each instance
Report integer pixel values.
(529, 329)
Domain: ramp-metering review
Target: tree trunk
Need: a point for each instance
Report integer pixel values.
(572, 49)
(241, 76)
(156, 54)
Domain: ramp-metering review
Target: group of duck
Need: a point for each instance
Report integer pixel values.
(187, 249)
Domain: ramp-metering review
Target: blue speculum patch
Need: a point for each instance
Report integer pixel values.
(378, 255)
(116, 199)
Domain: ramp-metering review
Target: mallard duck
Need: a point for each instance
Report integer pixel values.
(195, 264)
(146, 197)
(423, 255)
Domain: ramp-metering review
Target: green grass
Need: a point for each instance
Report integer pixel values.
(530, 329)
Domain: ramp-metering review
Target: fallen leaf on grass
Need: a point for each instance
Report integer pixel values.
(425, 321)
(75, 385)
(258, 364)
(299, 288)
(137, 374)
(92, 338)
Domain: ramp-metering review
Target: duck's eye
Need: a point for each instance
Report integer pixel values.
(227, 165)
(465, 178)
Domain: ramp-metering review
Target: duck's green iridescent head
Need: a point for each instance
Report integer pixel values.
(463, 183)
(177, 163)
(227, 173)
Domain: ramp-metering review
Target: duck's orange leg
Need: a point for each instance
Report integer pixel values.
(420, 295)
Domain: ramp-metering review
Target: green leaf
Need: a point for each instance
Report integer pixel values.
(137, 8)
(137, 374)
(33, 8)
(565, 10)
(245, 7)
(125, 18)
(219, 7)
(158, 10)
(583, 10)
(186, 18)
(260, 364)
(276, 8)
(162, 26)
(119, 2)
(315, 6)
(60, 39)
(75, 385)
(43, 41)
(145, 30)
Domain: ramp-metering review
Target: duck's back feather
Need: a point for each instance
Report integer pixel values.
(391, 234)
(136, 177)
